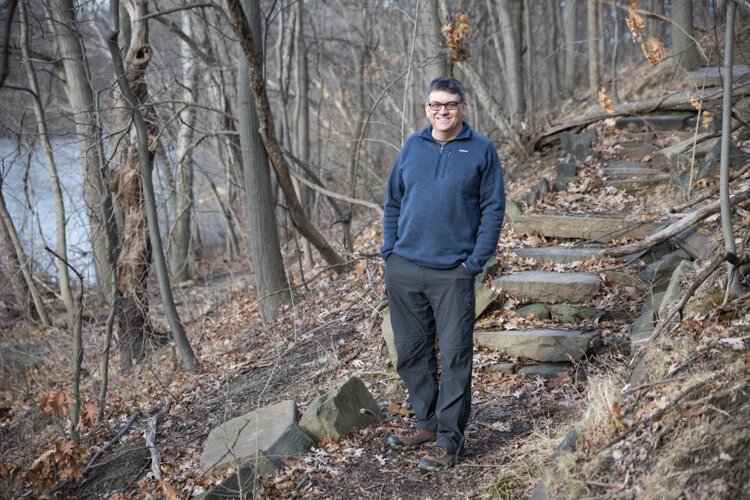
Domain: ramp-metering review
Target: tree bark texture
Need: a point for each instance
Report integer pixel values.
(273, 148)
(269, 277)
(513, 61)
(592, 24)
(41, 121)
(569, 32)
(733, 283)
(684, 50)
(140, 154)
(80, 94)
(24, 261)
(180, 246)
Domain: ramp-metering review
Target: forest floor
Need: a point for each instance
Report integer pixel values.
(331, 332)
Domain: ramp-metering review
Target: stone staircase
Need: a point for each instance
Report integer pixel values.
(565, 298)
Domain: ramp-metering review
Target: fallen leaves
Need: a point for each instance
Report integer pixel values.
(56, 402)
(64, 461)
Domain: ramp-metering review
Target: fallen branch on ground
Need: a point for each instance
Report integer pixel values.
(673, 229)
(151, 440)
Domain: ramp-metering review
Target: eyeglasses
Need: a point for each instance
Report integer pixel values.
(450, 106)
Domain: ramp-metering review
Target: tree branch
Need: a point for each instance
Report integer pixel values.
(4, 65)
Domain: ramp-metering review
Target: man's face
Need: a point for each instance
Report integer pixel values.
(446, 124)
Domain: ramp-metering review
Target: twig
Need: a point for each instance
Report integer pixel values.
(109, 444)
(376, 314)
(717, 395)
(654, 384)
(687, 222)
(77, 334)
(708, 194)
(151, 440)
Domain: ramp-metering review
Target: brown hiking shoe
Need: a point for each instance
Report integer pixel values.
(438, 459)
(408, 440)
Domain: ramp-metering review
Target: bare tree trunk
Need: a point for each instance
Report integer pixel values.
(654, 26)
(683, 41)
(41, 120)
(733, 282)
(269, 277)
(180, 254)
(22, 259)
(513, 62)
(302, 114)
(134, 184)
(435, 39)
(528, 66)
(569, 31)
(592, 18)
(273, 148)
(9, 261)
(103, 237)
(613, 94)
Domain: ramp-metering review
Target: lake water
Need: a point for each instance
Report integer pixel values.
(28, 195)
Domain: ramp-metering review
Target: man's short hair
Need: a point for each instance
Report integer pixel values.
(447, 84)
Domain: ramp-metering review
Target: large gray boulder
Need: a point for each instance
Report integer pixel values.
(537, 310)
(674, 290)
(643, 327)
(694, 243)
(258, 437)
(658, 273)
(573, 313)
(541, 345)
(672, 121)
(636, 151)
(346, 407)
(709, 167)
(624, 169)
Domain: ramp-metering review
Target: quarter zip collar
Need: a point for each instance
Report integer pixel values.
(464, 134)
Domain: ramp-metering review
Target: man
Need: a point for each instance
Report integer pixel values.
(444, 210)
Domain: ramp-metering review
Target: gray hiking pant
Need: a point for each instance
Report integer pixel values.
(428, 305)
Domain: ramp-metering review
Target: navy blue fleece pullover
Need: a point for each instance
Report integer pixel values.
(445, 205)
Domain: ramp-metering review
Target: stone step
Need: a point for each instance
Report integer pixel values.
(581, 227)
(675, 121)
(624, 169)
(637, 150)
(558, 255)
(640, 136)
(548, 345)
(547, 286)
(639, 182)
